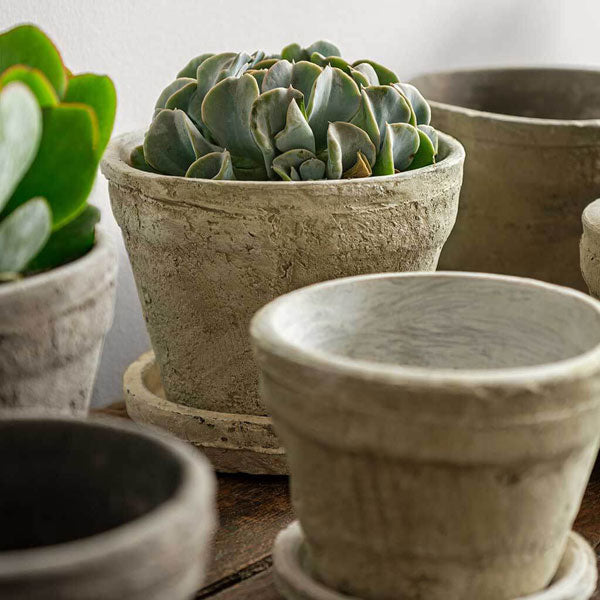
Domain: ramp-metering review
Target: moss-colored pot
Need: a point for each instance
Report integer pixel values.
(52, 328)
(440, 428)
(532, 138)
(207, 254)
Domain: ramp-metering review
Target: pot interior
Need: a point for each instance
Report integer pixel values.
(63, 481)
(439, 321)
(535, 93)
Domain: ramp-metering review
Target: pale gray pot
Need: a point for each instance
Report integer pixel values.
(589, 248)
(99, 510)
(207, 254)
(440, 428)
(532, 138)
(52, 328)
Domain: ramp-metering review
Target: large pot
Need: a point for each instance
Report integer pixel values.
(589, 247)
(52, 328)
(532, 138)
(101, 510)
(207, 254)
(440, 428)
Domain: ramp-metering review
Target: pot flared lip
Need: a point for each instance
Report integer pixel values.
(103, 251)
(116, 168)
(196, 489)
(268, 338)
(591, 217)
(506, 118)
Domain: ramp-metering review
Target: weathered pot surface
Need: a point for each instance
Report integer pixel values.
(52, 328)
(100, 509)
(532, 136)
(589, 248)
(440, 428)
(207, 254)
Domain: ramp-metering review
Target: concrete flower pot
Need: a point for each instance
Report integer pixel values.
(440, 428)
(207, 254)
(99, 509)
(589, 248)
(52, 328)
(532, 138)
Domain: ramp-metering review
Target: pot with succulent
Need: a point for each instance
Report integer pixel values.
(56, 272)
(258, 175)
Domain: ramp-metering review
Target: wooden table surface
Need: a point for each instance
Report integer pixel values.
(253, 509)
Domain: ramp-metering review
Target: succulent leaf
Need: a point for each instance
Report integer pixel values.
(400, 145)
(344, 142)
(255, 58)
(20, 134)
(312, 169)
(23, 233)
(216, 165)
(191, 68)
(432, 134)
(425, 155)
(278, 76)
(304, 75)
(416, 100)
(361, 168)
(239, 65)
(384, 75)
(259, 75)
(297, 132)
(35, 80)
(226, 112)
(182, 97)
(340, 63)
(171, 89)
(335, 97)
(294, 52)
(266, 63)
(368, 72)
(292, 159)
(138, 161)
(323, 47)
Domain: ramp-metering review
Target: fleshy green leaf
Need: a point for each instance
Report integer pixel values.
(432, 134)
(238, 66)
(191, 68)
(344, 142)
(98, 92)
(425, 155)
(23, 233)
(216, 165)
(68, 243)
(297, 132)
(294, 52)
(137, 160)
(368, 72)
(312, 169)
(266, 63)
(304, 74)
(268, 117)
(20, 134)
(293, 159)
(35, 80)
(259, 75)
(278, 76)
(416, 100)
(324, 47)
(335, 97)
(248, 170)
(255, 58)
(340, 63)
(384, 75)
(27, 45)
(171, 89)
(400, 144)
(226, 112)
(65, 166)
(318, 59)
(182, 97)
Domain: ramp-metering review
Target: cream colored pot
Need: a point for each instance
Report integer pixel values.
(589, 248)
(207, 254)
(532, 138)
(440, 428)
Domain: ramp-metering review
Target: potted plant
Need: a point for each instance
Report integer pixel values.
(259, 175)
(533, 136)
(57, 275)
(440, 429)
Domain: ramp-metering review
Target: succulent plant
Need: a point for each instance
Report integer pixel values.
(305, 114)
(54, 127)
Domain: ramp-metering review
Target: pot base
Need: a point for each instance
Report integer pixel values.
(574, 580)
(234, 443)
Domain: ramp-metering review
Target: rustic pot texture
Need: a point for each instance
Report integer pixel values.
(532, 138)
(52, 328)
(589, 248)
(207, 254)
(439, 428)
(101, 510)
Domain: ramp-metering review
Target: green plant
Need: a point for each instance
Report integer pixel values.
(54, 127)
(302, 115)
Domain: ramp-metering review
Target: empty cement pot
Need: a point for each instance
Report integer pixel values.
(101, 510)
(532, 138)
(440, 428)
(52, 328)
(207, 254)
(589, 248)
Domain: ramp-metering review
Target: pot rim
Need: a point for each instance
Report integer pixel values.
(197, 487)
(513, 119)
(267, 338)
(103, 248)
(116, 169)
(591, 217)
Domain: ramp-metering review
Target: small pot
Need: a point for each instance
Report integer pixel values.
(439, 428)
(52, 328)
(99, 509)
(532, 138)
(589, 248)
(207, 254)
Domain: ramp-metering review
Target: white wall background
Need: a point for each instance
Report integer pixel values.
(143, 43)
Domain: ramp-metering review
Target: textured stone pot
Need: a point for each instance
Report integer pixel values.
(439, 428)
(101, 510)
(52, 328)
(532, 138)
(207, 254)
(589, 248)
